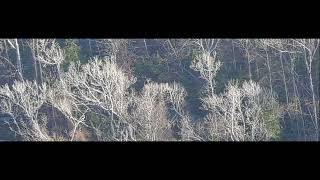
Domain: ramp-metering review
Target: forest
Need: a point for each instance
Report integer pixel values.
(159, 89)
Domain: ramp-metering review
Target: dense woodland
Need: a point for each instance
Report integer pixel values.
(159, 89)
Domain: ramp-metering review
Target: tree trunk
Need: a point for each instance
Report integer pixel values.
(35, 64)
(19, 65)
(249, 66)
(314, 104)
(90, 48)
(145, 45)
(6, 49)
(269, 70)
(284, 79)
(39, 64)
(297, 97)
(234, 56)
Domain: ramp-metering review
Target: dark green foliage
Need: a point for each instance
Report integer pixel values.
(272, 123)
(193, 88)
(72, 52)
(224, 75)
(154, 68)
(160, 65)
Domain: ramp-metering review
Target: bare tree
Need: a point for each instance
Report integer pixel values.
(310, 48)
(176, 98)
(34, 47)
(208, 67)
(22, 103)
(235, 115)
(61, 98)
(178, 48)
(151, 113)
(102, 99)
(248, 113)
(101, 86)
(264, 45)
(246, 45)
(50, 54)
(15, 45)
